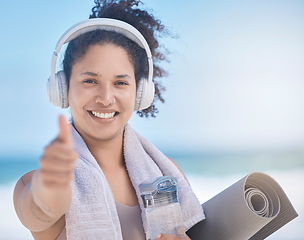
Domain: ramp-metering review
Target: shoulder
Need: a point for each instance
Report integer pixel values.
(177, 167)
(174, 163)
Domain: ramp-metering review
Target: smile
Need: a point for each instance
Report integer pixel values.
(104, 115)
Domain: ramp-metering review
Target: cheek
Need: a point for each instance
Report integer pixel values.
(75, 95)
(132, 98)
(127, 97)
(71, 95)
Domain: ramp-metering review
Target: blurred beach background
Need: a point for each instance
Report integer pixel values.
(234, 98)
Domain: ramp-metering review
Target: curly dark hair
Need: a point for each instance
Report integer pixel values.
(150, 27)
(79, 46)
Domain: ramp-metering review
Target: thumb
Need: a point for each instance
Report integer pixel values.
(64, 134)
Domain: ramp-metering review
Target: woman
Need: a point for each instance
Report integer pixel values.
(93, 163)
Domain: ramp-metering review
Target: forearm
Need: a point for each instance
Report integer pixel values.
(54, 202)
(39, 215)
(31, 216)
(43, 196)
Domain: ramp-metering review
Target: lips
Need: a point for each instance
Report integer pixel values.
(103, 115)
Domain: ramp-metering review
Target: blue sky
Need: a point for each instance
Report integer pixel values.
(236, 78)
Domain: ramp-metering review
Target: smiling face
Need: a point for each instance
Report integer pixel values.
(102, 92)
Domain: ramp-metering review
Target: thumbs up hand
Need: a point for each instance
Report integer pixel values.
(50, 185)
(58, 161)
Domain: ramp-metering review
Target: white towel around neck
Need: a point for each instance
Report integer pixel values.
(93, 215)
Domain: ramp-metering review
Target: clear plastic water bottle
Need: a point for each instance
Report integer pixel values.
(162, 208)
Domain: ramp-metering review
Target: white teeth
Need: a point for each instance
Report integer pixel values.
(103, 115)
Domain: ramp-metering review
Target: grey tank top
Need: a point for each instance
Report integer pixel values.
(130, 222)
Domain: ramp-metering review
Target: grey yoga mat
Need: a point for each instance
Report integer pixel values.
(252, 208)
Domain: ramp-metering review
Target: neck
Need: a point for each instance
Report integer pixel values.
(107, 152)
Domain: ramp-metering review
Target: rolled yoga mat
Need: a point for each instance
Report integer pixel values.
(252, 208)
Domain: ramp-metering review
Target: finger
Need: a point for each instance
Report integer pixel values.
(56, 185)
(170, 237)
(56, 177)
(55, 164)
(59, 150)
(64, 130)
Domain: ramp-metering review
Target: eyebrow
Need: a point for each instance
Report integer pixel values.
(90, 74)
(123, 76)
(93, 74)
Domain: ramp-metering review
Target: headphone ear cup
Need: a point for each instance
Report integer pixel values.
(58, 90)
(144, 94)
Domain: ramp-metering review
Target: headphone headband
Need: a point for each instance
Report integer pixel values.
(103, 24)
(107, 24)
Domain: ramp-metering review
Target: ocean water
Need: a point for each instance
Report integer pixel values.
(208, 175)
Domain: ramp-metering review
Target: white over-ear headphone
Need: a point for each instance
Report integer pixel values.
(57, 85)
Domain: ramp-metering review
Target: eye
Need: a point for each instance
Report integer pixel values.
(90, 81)
(121, 83)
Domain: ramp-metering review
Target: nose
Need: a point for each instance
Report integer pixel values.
(105, 96)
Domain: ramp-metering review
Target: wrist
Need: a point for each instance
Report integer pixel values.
(53, 202)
